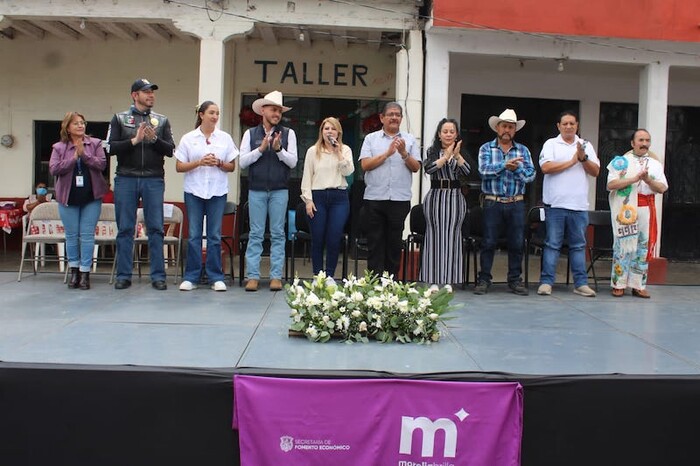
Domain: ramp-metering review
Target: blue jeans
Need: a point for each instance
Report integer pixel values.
(262, 204)
(127, 192)
(197, 209)
(327, 226)
(573, 224)
(500, 217)
(79, 223)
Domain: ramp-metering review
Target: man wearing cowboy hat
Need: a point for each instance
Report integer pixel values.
(141, 139)
(269, 151)
(505, 167)
(566, 161)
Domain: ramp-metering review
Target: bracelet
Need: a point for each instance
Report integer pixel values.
(404, 158)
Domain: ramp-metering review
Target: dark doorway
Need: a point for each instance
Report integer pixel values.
(46, 134)
(680, 227)
(541, 118)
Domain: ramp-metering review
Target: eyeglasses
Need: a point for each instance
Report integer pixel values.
(80, 123)
(393, 115)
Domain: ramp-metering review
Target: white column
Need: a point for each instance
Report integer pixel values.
(437, 81)
(409, 93)
(653, 115)
(211, 70)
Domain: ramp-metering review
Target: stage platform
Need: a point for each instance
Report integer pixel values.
(141, 376)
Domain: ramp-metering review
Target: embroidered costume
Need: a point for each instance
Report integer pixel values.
(634, 224)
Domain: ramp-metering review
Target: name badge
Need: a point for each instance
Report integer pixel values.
(79, 181)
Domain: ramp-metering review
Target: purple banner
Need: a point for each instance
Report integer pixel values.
(386, 422)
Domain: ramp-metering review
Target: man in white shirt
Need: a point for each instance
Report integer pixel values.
(389, 158)
(566, 161)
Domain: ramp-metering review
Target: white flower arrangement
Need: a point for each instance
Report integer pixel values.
(367, 307)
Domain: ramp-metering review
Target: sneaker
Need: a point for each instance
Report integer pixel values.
(187, 286)
(219, 286)
(518, 288)
(585, 290)
(544, 290)
(481, 288)
(330, 281)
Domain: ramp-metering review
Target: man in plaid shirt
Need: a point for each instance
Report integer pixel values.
(505, 167)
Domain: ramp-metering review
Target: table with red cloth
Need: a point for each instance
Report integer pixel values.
(9, 220)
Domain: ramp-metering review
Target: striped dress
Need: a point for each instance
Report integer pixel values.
(445, 210)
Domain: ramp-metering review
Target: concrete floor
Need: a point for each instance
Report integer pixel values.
(42, 321)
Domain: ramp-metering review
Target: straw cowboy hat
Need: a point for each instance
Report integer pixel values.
(273, 98)
(507, 115)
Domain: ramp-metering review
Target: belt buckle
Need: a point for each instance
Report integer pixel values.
(444, 184)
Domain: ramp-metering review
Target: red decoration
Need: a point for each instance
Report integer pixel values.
(248, 117)
(371, 123)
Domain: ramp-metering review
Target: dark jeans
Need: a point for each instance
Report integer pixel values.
(127, 192)
(327, 226)
(499, 216)
(384, 226)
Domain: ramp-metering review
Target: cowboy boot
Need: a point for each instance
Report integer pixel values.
(74, 277)
(84, 280)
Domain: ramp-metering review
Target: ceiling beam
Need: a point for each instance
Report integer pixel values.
(27, 28)
(268, 34)
(152, 31)
(58, 29)
(175, 32)
(119, 30)
(89, 30)
(374, 39)
(340, 40)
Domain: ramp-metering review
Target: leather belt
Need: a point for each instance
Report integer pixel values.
(445, 184)
(504, 199)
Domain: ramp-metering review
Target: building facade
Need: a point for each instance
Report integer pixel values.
(621, 65)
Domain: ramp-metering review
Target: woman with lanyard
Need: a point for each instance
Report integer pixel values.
(77, 162)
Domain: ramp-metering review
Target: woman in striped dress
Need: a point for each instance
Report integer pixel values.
(444, 207)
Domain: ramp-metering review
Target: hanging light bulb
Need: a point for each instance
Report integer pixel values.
(82, 23)
(301, 36)
(560, 66)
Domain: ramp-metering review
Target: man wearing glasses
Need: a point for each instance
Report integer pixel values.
(388, 157)
(141, 139)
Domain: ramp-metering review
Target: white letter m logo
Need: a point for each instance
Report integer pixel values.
(428, 428)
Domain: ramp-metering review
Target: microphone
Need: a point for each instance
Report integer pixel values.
(333, 141)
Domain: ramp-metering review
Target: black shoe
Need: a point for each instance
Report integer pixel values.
(74, 281)
(159, 285)
(481, 288)
(122, 284)
(518, 288)
(84, 280)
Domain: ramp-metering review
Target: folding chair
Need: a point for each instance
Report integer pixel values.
(43, 227)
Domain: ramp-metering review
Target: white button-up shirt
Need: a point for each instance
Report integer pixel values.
(206, 182)
(392, 180)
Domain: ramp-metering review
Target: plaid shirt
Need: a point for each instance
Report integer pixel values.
(496, 180)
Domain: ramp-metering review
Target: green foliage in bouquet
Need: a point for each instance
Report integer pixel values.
(368, 307)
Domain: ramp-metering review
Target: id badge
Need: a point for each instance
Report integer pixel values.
(79, 182)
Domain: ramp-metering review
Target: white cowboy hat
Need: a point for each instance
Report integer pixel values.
(509, 116)
(273, 98)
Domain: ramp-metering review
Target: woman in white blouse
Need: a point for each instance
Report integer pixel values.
(206, 156)
(324, 189)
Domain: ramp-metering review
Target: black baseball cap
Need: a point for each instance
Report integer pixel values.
(143, 85)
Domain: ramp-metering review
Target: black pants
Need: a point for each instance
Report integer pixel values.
(384, 226)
